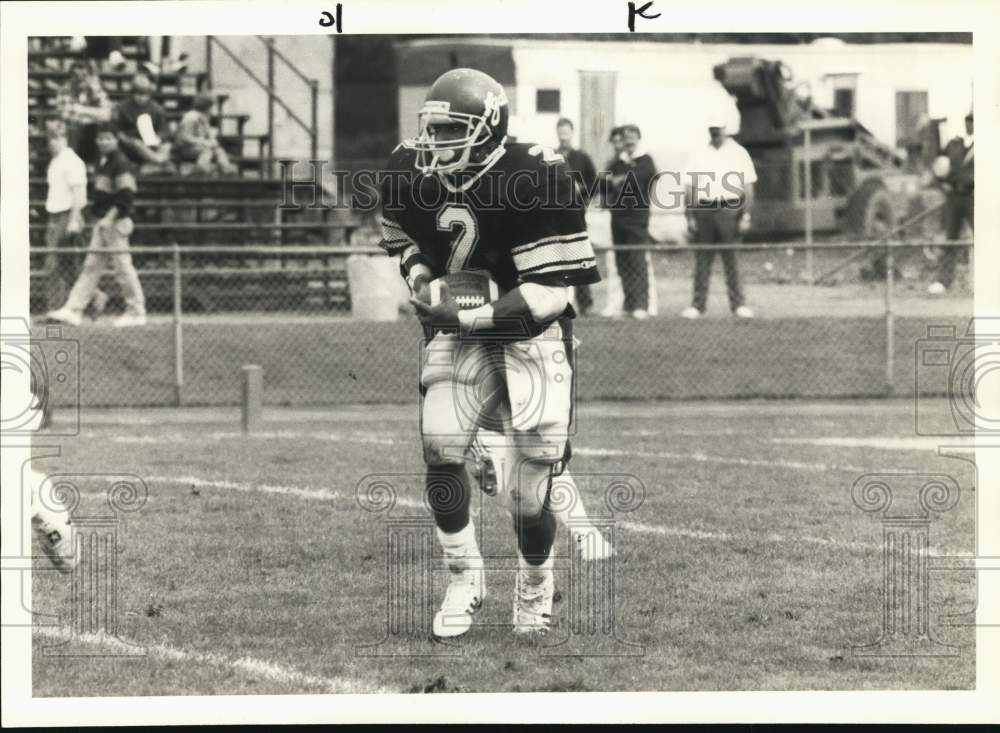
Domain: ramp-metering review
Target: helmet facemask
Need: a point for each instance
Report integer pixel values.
(454, 153)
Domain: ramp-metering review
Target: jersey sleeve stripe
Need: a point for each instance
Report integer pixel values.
(385, 222)
(584, 263)
(549, 240)
(394, 239)
(552, 252)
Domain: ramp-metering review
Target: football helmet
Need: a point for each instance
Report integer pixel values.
(462, 124)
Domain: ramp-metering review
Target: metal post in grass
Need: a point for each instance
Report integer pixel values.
(889, 324)
(178, 334)
(252, 396)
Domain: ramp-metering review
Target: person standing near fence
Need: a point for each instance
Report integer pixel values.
(629, 182)
(114, 189)
(719, 190)
(581, 169)
(67, 195)
(959, 186)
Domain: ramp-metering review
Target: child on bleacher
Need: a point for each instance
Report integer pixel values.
(142, 124)
(83, 103)
(114, 188)
(196, 141)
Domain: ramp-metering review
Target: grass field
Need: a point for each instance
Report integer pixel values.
(252, 569)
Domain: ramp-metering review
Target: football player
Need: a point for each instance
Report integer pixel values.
(50, 520)
(459, 199)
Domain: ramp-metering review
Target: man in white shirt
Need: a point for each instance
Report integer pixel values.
(64, 202)
(719, 189)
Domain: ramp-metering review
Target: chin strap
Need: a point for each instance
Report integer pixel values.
(487, 163)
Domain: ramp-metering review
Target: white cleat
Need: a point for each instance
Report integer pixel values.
(743, 312)
(463, 598)
(640, 314)
(56, 538)
(64, 315)
(591, 545)
(533, 597)
(127, 320)
(691, 313)
(936, 289)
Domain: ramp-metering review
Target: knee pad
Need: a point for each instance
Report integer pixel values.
(444, 450)
(530, 490)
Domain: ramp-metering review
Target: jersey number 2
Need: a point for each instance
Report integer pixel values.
(460, 221)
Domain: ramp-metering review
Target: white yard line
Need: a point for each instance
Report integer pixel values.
(926, 443)
(727, 460)
(259, 668)
(320, 494)
(352, 437)
(375, 439)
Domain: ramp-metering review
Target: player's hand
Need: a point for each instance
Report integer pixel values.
(422, 290)
(441, 315)
(745, 222)
(74, 225)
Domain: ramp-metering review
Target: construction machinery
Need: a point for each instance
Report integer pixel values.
(859, 187)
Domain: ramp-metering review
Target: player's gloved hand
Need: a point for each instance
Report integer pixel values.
(441, 315)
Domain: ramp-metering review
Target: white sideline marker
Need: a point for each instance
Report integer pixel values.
(252, 393)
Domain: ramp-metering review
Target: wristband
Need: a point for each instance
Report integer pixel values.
(417, 271)
(475, 319)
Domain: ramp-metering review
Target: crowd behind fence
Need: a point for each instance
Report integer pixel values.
(291, 313)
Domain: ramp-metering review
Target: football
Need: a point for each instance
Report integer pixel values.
(469, 288)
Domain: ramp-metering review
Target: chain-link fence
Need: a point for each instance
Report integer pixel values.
(290, 310)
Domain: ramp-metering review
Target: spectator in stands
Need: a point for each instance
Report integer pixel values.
(197, 141)
(114, 189)
(141, 124)
(82, 103)
(617, 140)
(64, 202)
(581, 167)
(99, 48)
(959, 186)
(631, 177)
(165, 56)
(720, 178)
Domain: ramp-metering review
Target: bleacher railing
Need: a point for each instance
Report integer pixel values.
(273, 98)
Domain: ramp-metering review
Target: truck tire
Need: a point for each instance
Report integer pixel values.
(869, 214)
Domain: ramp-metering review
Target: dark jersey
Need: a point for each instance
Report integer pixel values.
(520, 220)
(114, 185)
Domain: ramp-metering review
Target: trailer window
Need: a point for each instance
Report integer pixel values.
(547, 100)
(841, 177)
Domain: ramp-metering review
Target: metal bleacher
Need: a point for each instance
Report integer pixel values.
(196, 211)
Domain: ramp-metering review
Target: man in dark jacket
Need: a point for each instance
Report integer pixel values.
(959, 188)
(581, 168)
(114, 190)
(628, 185)
(142, 125)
